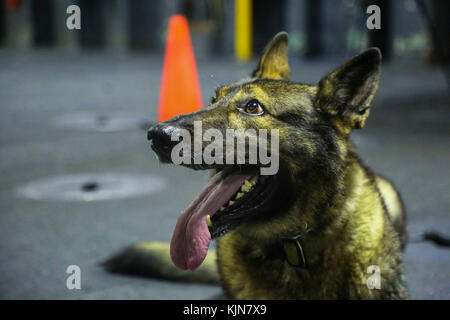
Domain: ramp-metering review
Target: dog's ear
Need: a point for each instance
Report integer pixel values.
(274, 60)
(347, 92)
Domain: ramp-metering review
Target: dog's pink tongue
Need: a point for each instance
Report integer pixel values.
(191, 237)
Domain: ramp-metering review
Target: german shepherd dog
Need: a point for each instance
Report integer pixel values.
(323, 227)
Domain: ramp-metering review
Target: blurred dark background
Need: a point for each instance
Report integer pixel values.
(75, 106)
(318, 28)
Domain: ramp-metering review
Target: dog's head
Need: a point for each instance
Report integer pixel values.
(306, 132)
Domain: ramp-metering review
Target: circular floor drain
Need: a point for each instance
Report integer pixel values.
(91, 187)
(102, 122)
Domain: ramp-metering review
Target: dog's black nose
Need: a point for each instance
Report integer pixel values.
(160, 136)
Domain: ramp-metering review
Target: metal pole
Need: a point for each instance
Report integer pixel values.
(243, 29)
(314, 45)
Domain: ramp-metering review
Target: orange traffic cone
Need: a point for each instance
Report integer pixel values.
(180, 88)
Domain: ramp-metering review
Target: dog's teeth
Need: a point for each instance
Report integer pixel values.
(239, 195)
(222, 208)
(231, 202)
(208, 220)
(253, 180)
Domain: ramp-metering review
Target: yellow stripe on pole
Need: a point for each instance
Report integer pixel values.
(243, 29)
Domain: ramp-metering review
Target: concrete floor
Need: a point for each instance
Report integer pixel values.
(407, 139)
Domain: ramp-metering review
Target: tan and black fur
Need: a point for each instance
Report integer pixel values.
(347, 217)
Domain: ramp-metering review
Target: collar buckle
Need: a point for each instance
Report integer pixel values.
(294, 252)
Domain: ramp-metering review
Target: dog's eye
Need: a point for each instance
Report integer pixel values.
(254, 107)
